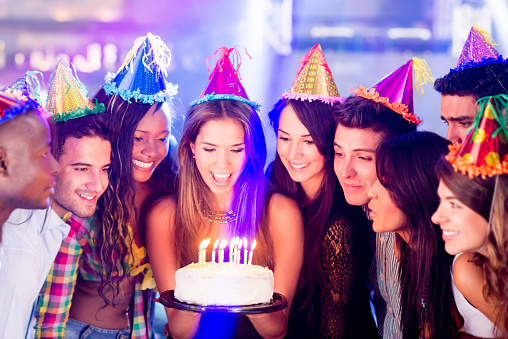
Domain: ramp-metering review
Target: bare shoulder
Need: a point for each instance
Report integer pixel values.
(285, 215)
(162, 212)
(469, 278)
(281, 204)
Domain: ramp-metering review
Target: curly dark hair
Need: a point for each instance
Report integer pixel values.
(479, 82)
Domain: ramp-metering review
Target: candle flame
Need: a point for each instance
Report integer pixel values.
(202, 245)
(223, 244)
(244, 242)
(215, 244)
(232, 243)
(253, 246)
(207, 242)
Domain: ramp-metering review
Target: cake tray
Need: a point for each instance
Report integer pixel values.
(167, 298)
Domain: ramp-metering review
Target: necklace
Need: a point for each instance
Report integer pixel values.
(220, 218)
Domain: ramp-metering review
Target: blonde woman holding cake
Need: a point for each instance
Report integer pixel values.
(222, 194)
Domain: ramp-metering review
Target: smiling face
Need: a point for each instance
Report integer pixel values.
(298, 152)
(151, 144)
(385, 215)
(29, 164)
(83, 177)
(464, 230)
(355, 162)
(220, 156)
(458, 113)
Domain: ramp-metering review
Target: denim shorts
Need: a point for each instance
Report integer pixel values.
(78, 330)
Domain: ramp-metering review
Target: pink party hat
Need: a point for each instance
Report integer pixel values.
(314, 80)
(395, 90)
(224, 81)
(478, 51)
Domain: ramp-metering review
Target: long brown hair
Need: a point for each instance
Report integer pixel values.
(250, 192)
(489, 198)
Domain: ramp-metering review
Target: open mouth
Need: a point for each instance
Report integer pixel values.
(447, 235)
(299, 166)
(86, 197)
(221, 179)
(141, 164)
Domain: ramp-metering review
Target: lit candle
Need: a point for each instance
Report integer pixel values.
(252, 247)
(231, 249)
(215, 244)
(222, 246)
(245, 251)
(239, 253)
(207, 242)
(200, 252)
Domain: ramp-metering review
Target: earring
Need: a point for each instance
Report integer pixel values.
(194, 155)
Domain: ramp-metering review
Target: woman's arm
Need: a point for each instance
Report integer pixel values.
(159, 244)
(470, 280)
(286, 227)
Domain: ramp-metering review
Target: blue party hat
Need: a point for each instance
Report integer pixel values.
(27, 86)
(142, 75)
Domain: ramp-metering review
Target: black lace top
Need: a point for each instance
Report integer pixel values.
(340, 307)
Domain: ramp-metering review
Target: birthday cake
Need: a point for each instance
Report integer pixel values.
(229, 285)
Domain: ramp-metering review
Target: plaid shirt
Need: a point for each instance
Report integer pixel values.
(78, 255)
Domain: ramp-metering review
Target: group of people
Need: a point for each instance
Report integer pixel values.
(357, 208)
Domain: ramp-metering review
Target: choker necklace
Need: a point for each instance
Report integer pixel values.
(220, 218)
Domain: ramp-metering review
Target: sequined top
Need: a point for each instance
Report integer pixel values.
(79, 257)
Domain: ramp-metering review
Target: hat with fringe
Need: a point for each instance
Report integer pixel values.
(395, 90)
(224, 81)
(314, 80)
(485, 149)
(142, 74)
(478, 51)
(27, 86)
(12, 105)
(67, 96)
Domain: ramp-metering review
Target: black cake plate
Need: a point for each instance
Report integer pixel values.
(279, 302)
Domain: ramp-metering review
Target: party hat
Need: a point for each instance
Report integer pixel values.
(314, 80)
(12, 106)
(27, 86)
(478, 51)
(224, 81)
(485, 149)
(395, 90)
(142, 75)
(67, 96)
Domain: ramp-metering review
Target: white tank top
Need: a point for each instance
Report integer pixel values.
(475, 322)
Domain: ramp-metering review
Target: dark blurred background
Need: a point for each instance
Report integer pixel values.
(363, 40)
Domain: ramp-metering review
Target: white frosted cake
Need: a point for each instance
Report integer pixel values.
(232, 285)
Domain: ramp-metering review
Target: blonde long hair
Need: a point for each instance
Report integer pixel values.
(250, 192)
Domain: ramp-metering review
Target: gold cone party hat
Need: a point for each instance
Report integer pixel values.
(314, 80)
(67, 96)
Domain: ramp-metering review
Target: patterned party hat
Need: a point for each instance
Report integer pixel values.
(485, 149)
(314, 80)
(395, 90)
(224, 81)
(12, 106)
(142, 75)
(27, 86)
(67, 96)
(478, 51)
